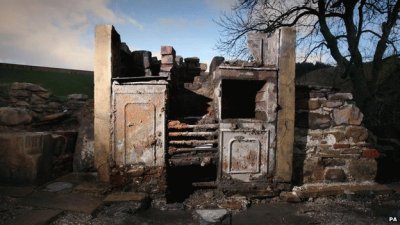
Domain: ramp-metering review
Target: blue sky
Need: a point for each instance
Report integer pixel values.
(59, 33)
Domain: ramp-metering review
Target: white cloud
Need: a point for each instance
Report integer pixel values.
(53, 33)
(223, 5)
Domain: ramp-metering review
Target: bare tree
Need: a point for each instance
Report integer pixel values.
(351, 31)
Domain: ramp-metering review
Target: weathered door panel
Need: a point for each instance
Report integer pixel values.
(140, 132)
(244, 154)
(139, 124)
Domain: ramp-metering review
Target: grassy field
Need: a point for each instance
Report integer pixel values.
(58, 83)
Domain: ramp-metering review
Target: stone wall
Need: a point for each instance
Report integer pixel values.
(27, 106)
(331, 144)
(38, 132)
(35, 157)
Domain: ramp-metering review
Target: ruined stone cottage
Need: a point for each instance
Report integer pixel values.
(164, 125)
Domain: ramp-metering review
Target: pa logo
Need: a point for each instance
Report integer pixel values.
(392, 219)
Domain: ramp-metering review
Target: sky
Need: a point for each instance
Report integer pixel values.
(60, 33)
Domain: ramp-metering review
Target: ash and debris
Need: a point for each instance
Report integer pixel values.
(342, 209)
(9, 209)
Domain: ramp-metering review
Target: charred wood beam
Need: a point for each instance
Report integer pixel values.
(180, 126)
(192, 134)
(191, 161)
(173, 151)
(192, 142)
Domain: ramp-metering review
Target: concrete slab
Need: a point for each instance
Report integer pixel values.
(125, 197)
(17, 192)
(36, 217)
(65, 201)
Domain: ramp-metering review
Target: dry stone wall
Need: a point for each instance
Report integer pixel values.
(331, 144)
(27, 106)
(38, 133)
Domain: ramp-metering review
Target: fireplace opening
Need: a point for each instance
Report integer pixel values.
(238, 98)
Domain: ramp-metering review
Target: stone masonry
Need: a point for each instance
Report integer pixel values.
(331, 144)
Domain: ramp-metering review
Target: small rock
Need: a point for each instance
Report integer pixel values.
(22, 104)
(333, 103)
(78, 97)
(14, 116)
(27, 86)
(319, 121)
(43, 94)
(58, 186)
(235, 202)
(335, 175)
(348, 114)
(289, 197)
(213, 216)
(36, 100)
(38, 108)
(357, 133)
(340, 96)
(20, 94)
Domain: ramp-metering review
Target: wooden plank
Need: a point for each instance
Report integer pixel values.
(286, 101)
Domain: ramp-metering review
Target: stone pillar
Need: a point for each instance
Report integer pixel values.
(107, 44)
(286, 101)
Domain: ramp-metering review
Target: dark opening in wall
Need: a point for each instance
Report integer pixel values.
(238, 98)
(180, 180)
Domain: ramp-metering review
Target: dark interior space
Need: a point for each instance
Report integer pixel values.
(238, 98)
(186, 103)
(388, 162)
(180, 180)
